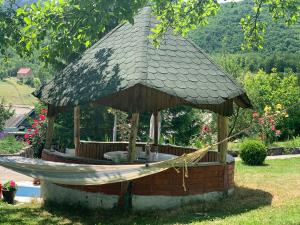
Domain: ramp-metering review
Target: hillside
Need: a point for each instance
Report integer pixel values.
(224, 32)
(16, 93)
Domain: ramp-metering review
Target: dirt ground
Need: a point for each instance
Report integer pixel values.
(7, 174)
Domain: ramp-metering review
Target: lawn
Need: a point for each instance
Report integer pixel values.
(16, 93)
(268, 194)
(9, 145)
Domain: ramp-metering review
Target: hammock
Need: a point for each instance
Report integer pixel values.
(83, 174)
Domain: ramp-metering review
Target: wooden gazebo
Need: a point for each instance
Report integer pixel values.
(124, 71)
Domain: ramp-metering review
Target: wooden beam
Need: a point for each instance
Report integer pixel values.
(155, 115)
(222, 134)
(50, 129)
(132, 137)
(115, 128)
(77, 128)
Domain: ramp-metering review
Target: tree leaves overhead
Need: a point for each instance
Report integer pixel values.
(255, 28)
(63, 29)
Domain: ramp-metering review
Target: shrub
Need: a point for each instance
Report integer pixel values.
(253, 152)
(36, 135)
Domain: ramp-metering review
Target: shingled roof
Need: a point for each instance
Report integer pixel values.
(123, 70)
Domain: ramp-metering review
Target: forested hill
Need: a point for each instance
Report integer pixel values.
(224, 33)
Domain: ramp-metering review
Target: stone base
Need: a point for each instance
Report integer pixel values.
(55, 193)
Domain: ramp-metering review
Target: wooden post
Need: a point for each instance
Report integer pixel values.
(132, 137)
(222, 134)
(77, 128)
(155, 115)
(115, 128)
(50, 129)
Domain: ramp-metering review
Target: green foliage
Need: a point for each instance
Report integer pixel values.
(5, 114)
(9, 26)
(179, 124)
(276, 88)
(95, 124)
(253, 152)
(10, 186)
(272, 89)
(224, 33)
(11, 62)
(222, 38)
(36, 135)
(64, 29)
(291, 143)
(9, 145)
(237, 63)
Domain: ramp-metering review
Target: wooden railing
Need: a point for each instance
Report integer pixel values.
(96, 150)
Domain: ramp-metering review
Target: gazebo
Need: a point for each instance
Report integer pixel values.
(124, 71)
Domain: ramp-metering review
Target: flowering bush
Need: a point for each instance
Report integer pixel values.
(205, 137)
(10, 186)
(266, 123)
(36, 135)
(206, 134)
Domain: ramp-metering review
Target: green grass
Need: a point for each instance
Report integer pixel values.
(16, 93)
(268, 194)
(9, 145)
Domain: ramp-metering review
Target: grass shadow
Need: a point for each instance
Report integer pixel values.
(243, 200)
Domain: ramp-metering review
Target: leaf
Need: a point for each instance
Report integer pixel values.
(20, 11)
(87, 44)
(27, 20)
(28, 45)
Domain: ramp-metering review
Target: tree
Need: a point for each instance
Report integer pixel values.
(63, 29)
(5, 114)
(271, 89)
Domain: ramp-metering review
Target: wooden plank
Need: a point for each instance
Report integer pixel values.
(132, 138)
(222, 134)
(50, 129)
(76, 127)
(155, 115)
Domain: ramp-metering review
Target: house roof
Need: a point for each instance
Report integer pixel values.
(125, 71)
(21, 112)
(24, 71)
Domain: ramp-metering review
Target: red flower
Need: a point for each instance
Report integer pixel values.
(29, 130)
(42, 117)
(261, 120)
(34, 125)
(36, 121)
(12, 183)
(26, 136)
(205, 129)
(44, 111)
(273, 127)
(277, 132)
(28, 141)
(255, 115)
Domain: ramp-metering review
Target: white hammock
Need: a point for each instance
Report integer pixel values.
(83, 174)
